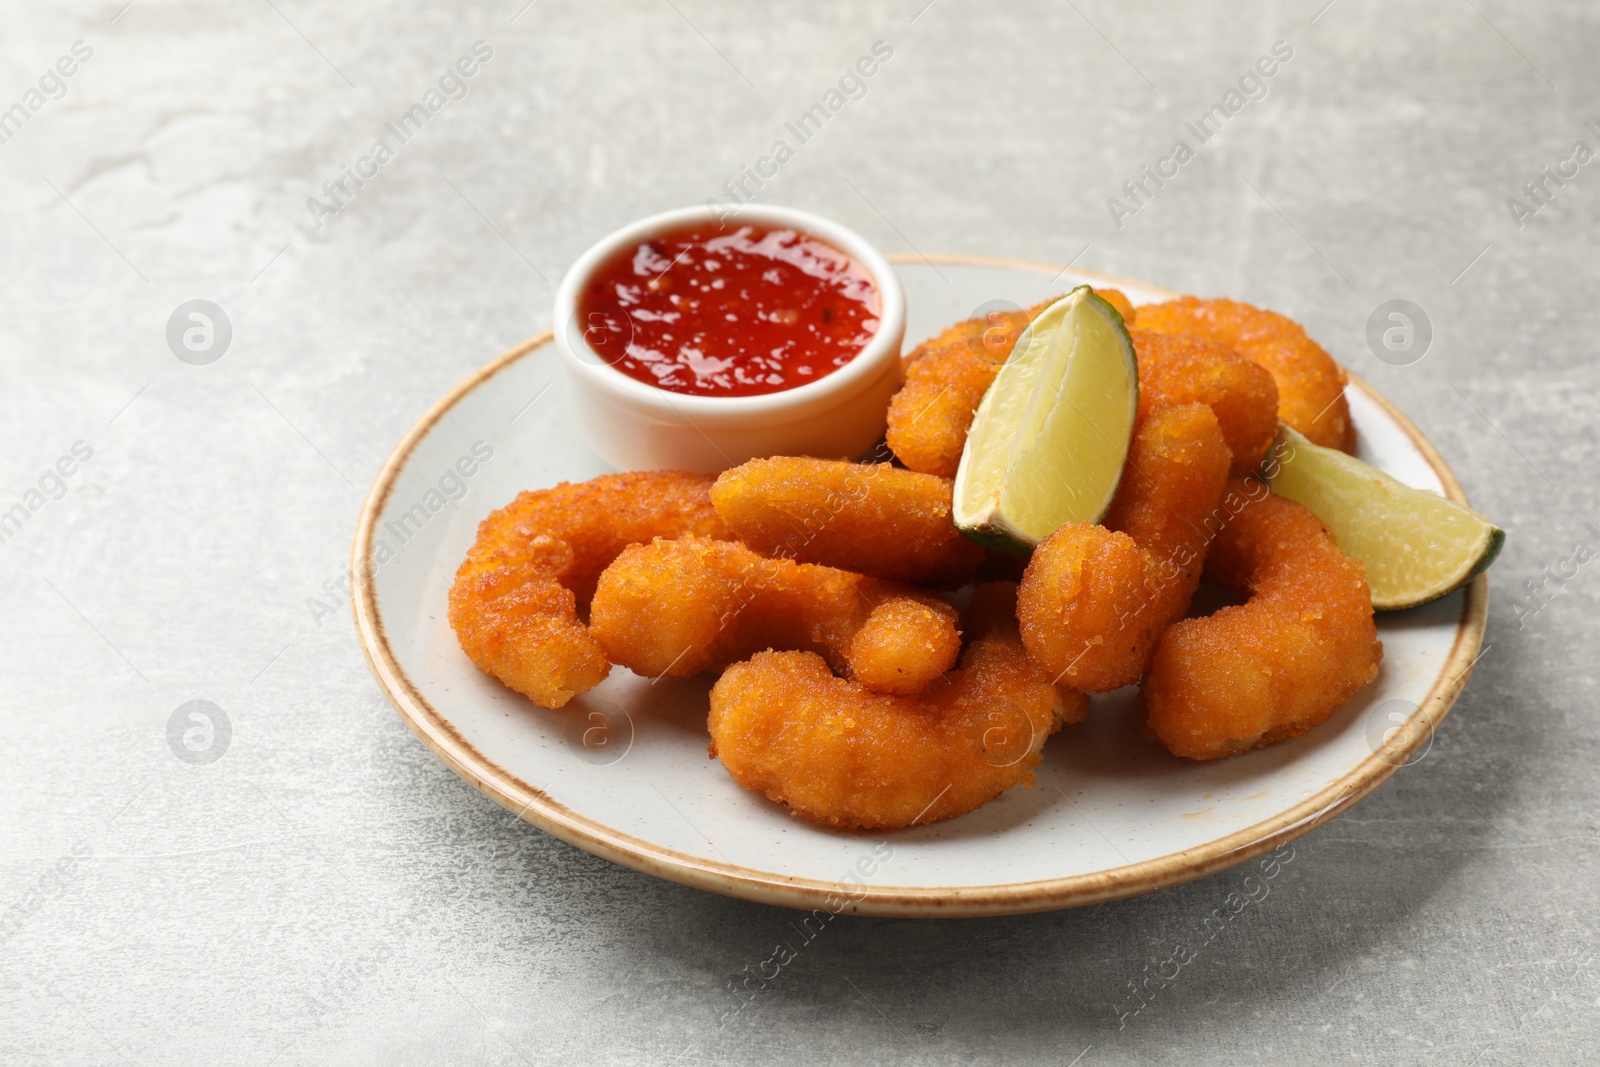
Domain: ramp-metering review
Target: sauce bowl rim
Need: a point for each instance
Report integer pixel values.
(879, 356)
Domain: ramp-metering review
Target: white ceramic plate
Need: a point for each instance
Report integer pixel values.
(622, 771)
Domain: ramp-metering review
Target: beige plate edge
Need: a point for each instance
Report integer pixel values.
(532, 804)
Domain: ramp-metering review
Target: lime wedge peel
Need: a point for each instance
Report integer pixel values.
(1050, 438)
(1417, 546)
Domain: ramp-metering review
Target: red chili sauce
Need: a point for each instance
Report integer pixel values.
(713, 310)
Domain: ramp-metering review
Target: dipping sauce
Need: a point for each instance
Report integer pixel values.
(729, 311)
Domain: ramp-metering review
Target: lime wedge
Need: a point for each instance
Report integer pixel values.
(1416, 545)
(1050, 438)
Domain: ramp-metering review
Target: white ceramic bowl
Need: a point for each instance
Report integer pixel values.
(635, 426)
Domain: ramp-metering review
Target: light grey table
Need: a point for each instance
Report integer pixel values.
(326, 892)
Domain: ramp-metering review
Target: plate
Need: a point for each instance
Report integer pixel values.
(622, 771)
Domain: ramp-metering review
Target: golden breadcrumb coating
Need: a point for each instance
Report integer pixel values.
(946, 379)
(677, 608)
(837, 753)
(899, 643)
(514, 603)
(1279, 664)
(869, 518)
(1095, 598)
(1310, 384)
(1185, 369)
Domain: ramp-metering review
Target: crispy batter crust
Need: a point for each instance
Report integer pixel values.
(677, 608)
(1094, 599)
(1310, 384)
(1184, 369)
(870, 518)
(514, 603)
(1279, 664)
(946, 379)
(836, 753)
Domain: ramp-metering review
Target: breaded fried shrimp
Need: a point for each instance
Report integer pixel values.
(1185, 369)
(1279, 664)
(836, 753)
(514, 603)
(1310, 384)
(946, 379)
(1094, 599)
(900, 643)
(930, 416)
(869, 518)
(677, 608)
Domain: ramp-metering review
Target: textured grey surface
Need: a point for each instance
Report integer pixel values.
(327, 892)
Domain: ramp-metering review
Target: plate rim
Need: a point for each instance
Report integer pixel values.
(534, 806)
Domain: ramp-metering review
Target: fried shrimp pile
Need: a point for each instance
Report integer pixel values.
(1184, 369)
(946, 379)
(851, 689)
(514, 603)
(1279, 664)
(1094, 599)
(837, 753)
(677, 608)
(1310, 384)
(873, 519)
